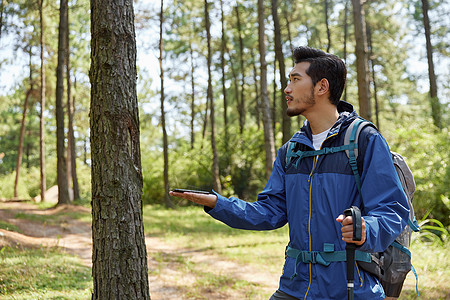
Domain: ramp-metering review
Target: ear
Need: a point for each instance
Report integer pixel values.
(323, 86)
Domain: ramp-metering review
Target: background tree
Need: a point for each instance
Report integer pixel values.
(119, 254)
(269, 145)
(362, 68)
(43, 185)
(167, 200)
(434, 100)
(63, 190)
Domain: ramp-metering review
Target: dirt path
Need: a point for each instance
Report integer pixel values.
(173, 271)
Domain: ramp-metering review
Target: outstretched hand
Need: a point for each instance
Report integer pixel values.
(208, 200)
(347, 230)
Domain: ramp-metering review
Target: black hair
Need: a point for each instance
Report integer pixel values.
(323, 65)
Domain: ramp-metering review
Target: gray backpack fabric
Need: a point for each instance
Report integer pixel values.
(392, 265)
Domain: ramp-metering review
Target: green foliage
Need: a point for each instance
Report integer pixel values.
(44, 273)
(426, 151)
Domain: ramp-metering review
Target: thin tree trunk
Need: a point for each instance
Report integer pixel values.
(167, 200)
(327, 25)
(240, 100)
(1, 19)
(257, 95)
(63, 191)
(215, 166)
(22, 134)
(119, 255)
(191, 52)
(374, 81)
(288, 26)
(286, 121)
(71, 146)
(42, 116)
(434, 100)
(345, 41)
(224, 89)
(269, 145)
(362, 68)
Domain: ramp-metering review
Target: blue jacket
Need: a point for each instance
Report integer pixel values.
(312, 195)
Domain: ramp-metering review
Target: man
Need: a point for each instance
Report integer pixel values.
(310, 194)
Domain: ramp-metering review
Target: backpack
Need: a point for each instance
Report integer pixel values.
(393, 264)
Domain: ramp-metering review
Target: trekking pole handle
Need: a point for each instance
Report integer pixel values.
(355, 213)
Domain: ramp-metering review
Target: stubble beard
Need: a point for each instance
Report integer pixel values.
(308, 101)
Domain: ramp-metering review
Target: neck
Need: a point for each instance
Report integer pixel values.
(322, 118)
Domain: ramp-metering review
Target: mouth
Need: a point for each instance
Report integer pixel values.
(289, 98)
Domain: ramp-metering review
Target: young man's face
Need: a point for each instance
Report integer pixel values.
(299, 91)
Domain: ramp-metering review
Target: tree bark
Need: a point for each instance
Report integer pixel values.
(269, 145)
(119, 256)
(434, 100)
(63, 191)
(327, 25)
(345, 41)
(71, 146)
(215, 165)
(224, 89)
(192, 95)
(167, 200)
(42, 116)
(1, 18)
(22, 135)
(286, 121)
(373, 77)
(240, 100)
(362, 67)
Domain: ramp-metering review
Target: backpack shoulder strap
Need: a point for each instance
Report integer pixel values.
(351, 140)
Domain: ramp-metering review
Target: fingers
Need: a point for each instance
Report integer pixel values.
(347, 230)
(202, 199)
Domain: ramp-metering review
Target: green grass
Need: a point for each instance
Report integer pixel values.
(49, 273)
(54, 219)
(192, 228)
(45, 273)
(10, 227)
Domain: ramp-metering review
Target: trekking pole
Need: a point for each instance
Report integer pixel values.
(355, 213)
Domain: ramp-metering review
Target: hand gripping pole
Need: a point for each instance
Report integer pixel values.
(355, 213)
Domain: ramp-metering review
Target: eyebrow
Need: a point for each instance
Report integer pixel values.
(295, 74)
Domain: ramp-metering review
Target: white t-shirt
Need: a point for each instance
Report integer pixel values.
(319, 138)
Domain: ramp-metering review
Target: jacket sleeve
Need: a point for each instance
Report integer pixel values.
(386, 209)
(267, 213)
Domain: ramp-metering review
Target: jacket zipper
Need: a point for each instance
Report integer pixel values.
(316, 158)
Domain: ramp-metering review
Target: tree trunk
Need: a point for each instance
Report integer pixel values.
(362, 68)
(288, 26)
(1, 19)
(21, 135)
(71, 146)
(215, 165)
(345, 41)
(119, 256)
(269, 145)
(327, 26)
(224, 89)
(192, 95)
(42, 116)
(434, 100)
(286, 125)
(373, 78)
(240, 100)
(167, 200)
(63, 191)
(257, 95)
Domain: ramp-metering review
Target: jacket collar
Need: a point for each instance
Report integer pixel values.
(346, 115)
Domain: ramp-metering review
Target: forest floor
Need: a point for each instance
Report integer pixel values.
(168, 276)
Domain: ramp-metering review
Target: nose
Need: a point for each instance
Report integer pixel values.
(287, 90)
